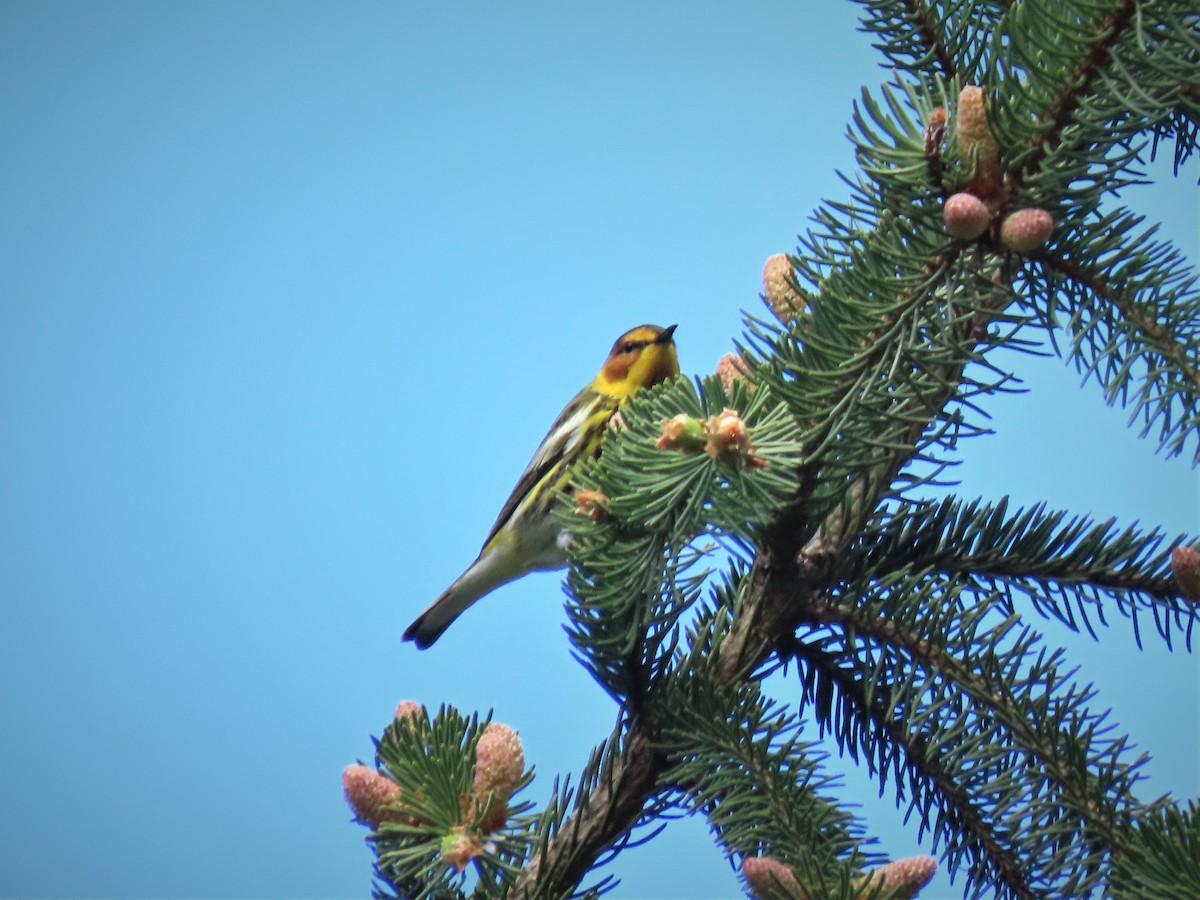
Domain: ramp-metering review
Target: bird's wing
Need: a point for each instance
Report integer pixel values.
(582, 419)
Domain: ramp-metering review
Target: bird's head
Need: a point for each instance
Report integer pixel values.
(641, 357)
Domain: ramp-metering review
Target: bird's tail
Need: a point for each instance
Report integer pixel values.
(484, 575)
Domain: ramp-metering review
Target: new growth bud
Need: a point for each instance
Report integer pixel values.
(459, 848)
(975, 141)
(681, 432)
(729, 439)
(724, 437)
(935, 130)
(727, 435)
(592, 504)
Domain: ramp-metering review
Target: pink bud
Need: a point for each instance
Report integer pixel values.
(369, 793)
(408, 708)
(499, 760)
(731, 368)
(1026, 229)
(965, 216)
(902, 878)
(769, 879)
(499, 765)
(778, 290)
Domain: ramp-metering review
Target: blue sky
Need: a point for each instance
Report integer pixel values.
(289, 293)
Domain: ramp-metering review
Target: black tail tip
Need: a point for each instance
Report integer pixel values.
(422, 640)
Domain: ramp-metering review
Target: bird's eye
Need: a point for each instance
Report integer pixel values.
(628, 347)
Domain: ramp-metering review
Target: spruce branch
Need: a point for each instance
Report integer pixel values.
(602, 815)
(850, 353)
(1164, 860)
(931, 37)
(1002, 722)
(1092, 87)
(928, 776)
(738, 758)
(1036, 552)
(637, 773)
(987, 689)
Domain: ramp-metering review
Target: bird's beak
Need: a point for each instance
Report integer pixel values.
(665, 337)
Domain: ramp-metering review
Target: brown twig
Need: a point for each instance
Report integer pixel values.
(918, 13)
(1067, 100)
(612, 809)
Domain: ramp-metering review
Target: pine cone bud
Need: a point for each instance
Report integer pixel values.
(769, 879)
(499, 765)
(778, 290)
(369, 794)
(731, 368)
(974, 136)
(966, 216)
(1026, 229)
(902, 878)
(408, 708)
(681, 432)
(1185, 567)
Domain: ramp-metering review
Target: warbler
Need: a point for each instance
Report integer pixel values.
(525, 537)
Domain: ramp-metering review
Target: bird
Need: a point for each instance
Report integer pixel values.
(525, 537)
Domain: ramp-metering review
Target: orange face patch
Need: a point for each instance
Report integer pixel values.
(626, 351)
